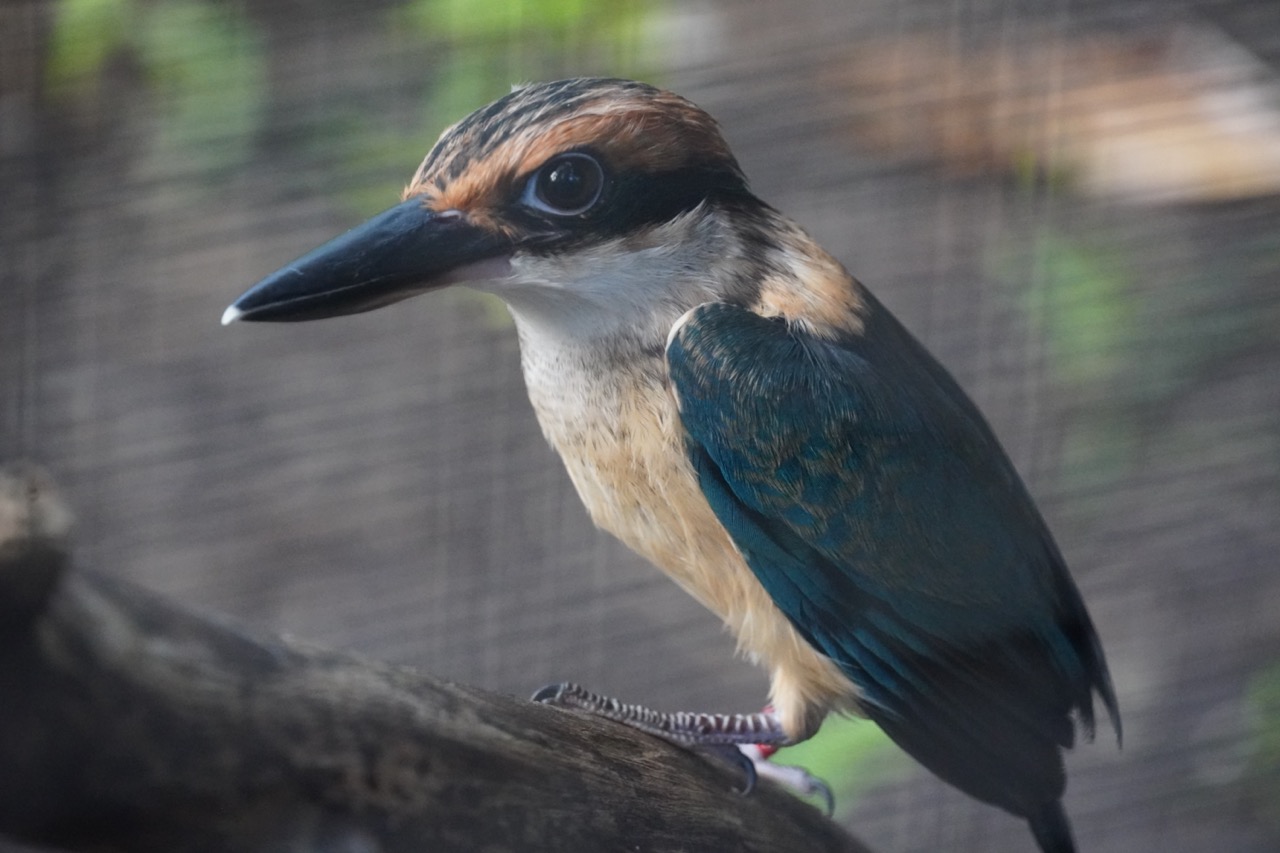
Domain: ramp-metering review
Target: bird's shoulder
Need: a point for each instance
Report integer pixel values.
(861, 445)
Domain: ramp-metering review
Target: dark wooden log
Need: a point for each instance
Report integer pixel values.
(127, 723)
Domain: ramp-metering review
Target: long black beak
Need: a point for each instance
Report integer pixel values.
(399, 253)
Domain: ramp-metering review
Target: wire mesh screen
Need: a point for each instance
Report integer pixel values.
(1075, 207)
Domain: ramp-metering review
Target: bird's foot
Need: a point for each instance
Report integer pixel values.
(797, 779)
(744, 740)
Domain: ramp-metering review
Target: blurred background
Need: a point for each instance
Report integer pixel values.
(1076, 205)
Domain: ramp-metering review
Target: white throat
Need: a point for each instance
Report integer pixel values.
(620, 293)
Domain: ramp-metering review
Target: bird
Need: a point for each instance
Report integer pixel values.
(736, 407)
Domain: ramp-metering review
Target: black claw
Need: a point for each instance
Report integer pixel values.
(550, 694)
(823, 790)
(749, 770)
(734, 756)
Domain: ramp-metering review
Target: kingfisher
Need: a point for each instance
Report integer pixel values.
(737, 408)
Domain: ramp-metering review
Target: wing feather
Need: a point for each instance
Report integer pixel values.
(873, 502)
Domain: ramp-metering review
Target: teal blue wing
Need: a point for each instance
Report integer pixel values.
(873, 502)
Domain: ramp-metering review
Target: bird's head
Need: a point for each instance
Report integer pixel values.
(588, 204)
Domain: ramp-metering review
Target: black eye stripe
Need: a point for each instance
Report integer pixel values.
(629, 202)
(638, 199)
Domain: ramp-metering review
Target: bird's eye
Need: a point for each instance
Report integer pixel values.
(566, 185)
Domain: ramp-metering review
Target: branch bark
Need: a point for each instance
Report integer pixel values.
(127, 723)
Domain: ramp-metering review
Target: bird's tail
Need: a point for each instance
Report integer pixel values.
(1051, 829)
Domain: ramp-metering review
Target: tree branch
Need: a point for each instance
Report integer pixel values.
(129, 724)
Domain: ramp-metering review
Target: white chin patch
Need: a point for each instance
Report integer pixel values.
(479, 273)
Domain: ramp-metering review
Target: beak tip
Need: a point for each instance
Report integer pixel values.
(231, 315)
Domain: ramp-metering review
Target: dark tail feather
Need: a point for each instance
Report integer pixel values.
(1052, 829)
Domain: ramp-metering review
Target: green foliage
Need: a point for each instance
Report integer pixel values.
(464, 20)
(203, 63)
(1081, 300)
(209, 70)
(1263, 775)
(613, 27)
(483, 48)
(1121, 343)
(852, 756)
(86, 33)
